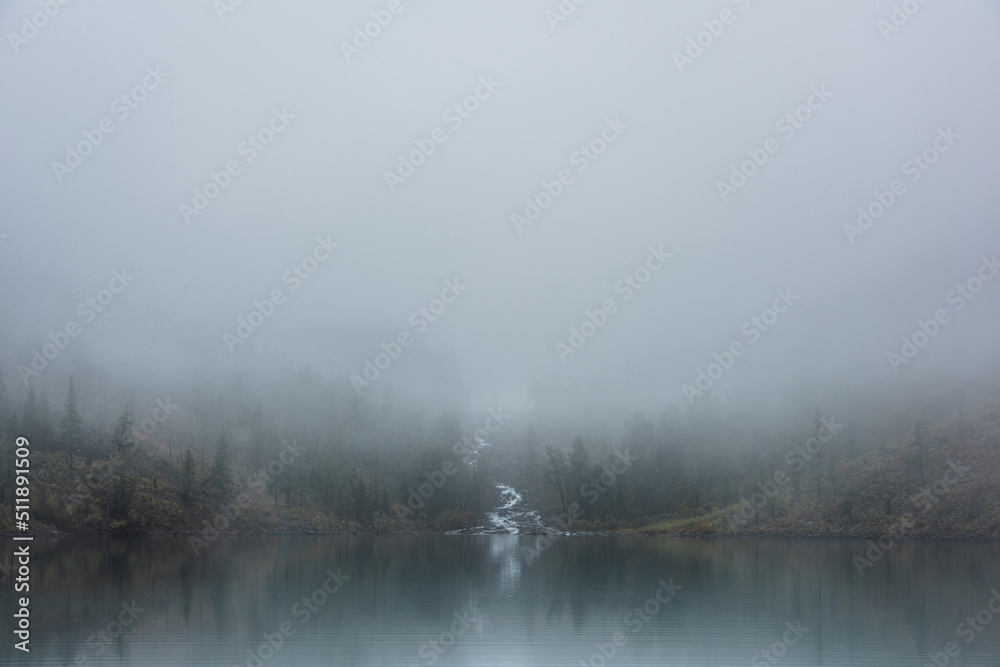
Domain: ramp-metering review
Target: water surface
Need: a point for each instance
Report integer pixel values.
(483, 603)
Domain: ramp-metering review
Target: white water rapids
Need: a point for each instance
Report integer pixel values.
(510, 517)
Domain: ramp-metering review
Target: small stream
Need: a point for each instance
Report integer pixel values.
(510, 517)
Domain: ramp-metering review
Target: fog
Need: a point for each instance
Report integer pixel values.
(628, 137)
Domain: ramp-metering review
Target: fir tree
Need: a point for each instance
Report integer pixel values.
(70, 425)
(220, 468)
(187, 475)
(122, 437)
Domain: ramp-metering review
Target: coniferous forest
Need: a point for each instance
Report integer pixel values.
(297, 455)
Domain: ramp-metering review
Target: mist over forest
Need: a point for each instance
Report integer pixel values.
(595, 230)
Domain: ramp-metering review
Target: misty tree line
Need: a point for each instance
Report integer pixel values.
(688, 467)
(352, 464)
(362, 457)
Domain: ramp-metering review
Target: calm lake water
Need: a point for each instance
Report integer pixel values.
(667, 601)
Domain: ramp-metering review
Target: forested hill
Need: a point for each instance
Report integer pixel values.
(249, 473)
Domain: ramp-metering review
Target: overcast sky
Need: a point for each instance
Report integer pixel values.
(870, 95)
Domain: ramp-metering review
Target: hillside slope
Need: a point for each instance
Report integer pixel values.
(944, 483)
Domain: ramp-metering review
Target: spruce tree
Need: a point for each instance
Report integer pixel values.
(122, 437)
(70, 425)
(220, 468)
(187, 475)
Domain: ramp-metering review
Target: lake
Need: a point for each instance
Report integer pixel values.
(484, 600)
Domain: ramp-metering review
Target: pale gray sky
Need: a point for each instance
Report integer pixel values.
(676, 134)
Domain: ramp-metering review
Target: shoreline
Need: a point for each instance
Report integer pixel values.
(362, 533)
